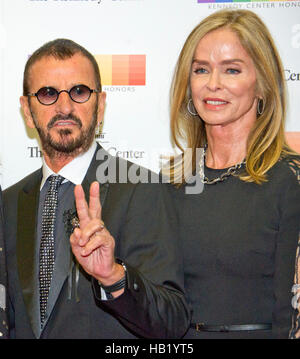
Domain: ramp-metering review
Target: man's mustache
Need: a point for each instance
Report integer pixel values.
(64, 118)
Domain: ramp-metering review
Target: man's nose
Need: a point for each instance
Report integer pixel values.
(64, 103)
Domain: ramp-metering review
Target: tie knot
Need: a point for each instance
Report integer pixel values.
(55, 181)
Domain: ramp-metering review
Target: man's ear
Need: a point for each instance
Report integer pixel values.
(26, 110)
(101, 106)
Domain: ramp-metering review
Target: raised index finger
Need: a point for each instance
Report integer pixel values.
(94, 204)
(81, 205)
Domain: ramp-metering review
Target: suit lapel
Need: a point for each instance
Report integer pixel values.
(62, 269)
(101, 158)
(27, 248)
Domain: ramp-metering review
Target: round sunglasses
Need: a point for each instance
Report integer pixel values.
(49, 95)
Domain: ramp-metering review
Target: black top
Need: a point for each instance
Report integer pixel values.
(239, 243)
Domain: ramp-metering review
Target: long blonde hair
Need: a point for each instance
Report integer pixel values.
(266, 142)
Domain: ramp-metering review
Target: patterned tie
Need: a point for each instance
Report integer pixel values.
(47, 242)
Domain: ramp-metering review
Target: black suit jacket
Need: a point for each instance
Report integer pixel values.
(140, 217)
(3, 280)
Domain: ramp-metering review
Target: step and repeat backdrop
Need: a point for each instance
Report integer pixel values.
(136, 43)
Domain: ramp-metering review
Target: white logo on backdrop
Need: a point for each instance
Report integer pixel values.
(296, 37)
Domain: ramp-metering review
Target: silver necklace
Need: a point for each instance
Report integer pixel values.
(230, 171)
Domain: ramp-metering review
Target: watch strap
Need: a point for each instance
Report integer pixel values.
(120, 284)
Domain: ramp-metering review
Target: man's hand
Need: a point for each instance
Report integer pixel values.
(92, 244)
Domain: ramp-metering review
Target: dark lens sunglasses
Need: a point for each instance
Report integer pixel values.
(49, 95)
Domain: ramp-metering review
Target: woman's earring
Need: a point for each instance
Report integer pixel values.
(260, 106)
(190, 110)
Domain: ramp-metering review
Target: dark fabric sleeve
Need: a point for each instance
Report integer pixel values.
(295, 330)
(286, 247)
(153, 304)
(3, 280)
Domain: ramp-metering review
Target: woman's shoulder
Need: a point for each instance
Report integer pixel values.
(289, 167)
(285, 175)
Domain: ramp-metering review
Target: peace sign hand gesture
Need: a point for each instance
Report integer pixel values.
(92, 244)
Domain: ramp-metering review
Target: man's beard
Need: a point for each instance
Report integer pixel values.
(66, 145)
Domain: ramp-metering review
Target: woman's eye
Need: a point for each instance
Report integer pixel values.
(200, 70)
(233, 71)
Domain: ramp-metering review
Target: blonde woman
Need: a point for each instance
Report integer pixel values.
(240, 234)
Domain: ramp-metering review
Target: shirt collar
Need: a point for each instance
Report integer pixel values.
(75, 170)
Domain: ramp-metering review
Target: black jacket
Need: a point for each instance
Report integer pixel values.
(141, 219)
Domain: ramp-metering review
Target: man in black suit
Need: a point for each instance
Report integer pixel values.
(124, 277)
(3, 280)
